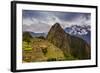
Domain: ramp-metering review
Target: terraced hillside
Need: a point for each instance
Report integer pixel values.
(41, 50)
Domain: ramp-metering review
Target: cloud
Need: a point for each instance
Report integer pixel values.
(34, 25)
(41, 21)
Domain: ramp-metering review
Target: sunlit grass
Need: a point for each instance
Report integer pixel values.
(26, 46)
(41, 50)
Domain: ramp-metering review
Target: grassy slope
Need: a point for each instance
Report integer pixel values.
(41, 50)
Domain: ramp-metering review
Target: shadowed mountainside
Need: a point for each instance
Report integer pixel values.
(70, 45)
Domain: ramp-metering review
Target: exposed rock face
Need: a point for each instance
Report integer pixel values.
(70, 45)
(59, 38)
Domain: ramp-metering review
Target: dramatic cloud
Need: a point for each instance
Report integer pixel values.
(41, 21)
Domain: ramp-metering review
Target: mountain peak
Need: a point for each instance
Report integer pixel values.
(67, 43)
(58, 37)
(56, 29)
(56, 25)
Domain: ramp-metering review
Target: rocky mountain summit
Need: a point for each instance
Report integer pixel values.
(70, 45)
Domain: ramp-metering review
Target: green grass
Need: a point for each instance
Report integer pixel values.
(26, 46)
(41, 50)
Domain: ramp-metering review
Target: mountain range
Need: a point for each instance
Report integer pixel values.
(82, 31)
(58, 44)
(70, 45)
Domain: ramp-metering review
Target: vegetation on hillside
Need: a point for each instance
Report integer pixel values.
(57, 46)
(41, 50)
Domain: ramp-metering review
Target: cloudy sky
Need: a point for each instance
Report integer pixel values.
(41, 21)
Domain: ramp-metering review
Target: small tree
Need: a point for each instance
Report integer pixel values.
(44, 51)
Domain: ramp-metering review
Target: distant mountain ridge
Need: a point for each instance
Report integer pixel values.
(34, 34)
(69, 44)
(78, 30)
(82, 31)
